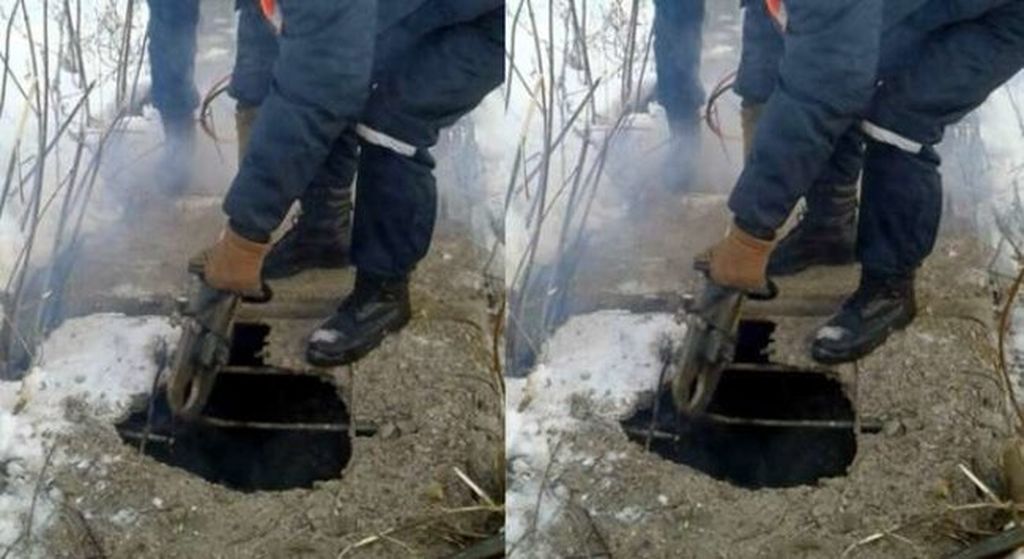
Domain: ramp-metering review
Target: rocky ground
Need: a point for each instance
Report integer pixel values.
(932, 391)
(431, 394)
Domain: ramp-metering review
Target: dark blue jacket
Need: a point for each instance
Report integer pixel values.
(836, 51)
(320, 85)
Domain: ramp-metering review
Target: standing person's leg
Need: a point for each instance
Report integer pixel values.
(959, 66)
(760, 52)
(445, 76)
(172, 28)
(256, 50)
(677, 50)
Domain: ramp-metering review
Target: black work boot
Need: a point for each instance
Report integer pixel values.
(881, 305)
(679, 168)
(376, 307)
(176, 159)
(825, 236)
(319, 238)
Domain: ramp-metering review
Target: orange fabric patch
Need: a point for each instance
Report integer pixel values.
(268, 7)
(777, 10)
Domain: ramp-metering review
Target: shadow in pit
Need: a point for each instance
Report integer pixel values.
(261, 430)
(739, 441)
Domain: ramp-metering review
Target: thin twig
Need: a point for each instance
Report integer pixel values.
(979, 484)
(161, 358)
(1004, 326)
(474, 487)
(35, 494)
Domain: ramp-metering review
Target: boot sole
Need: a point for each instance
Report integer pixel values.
(829, 357)
(323, 359)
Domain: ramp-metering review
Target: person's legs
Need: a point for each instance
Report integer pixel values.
(959, 66)
(172, 49)
(172, 31)
(445, 76)
(319, 237)
(677, 50)
(827, 231)
(761, 50)
(256, 50)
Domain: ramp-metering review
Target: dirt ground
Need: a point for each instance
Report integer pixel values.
(933, 387)
(431, 393)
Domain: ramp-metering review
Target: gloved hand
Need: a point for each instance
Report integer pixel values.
(233, 264)
(738, 261)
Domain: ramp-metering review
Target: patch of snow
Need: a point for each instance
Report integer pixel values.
(101, 362)
(608, 357)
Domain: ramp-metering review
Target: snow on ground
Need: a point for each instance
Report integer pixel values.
(40, 42)
(609, 358)
(101, 362)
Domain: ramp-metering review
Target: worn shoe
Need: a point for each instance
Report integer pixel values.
(376, 307)
(320, 236)
(825, 236)
(880, 306)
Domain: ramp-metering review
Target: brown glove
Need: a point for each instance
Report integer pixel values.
(233, 264)
(739, 261)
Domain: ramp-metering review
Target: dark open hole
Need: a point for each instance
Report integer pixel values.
(756, 456)
(752, 340)
(247, 343)
(252, 457)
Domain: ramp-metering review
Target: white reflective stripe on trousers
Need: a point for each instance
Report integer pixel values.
(381, 139)
(886, 136)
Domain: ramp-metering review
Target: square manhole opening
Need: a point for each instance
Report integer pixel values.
(263, 429)
(753, 341)
(248, 340)
(768, 425)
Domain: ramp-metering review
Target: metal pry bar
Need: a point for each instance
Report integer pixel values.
(203, 350)
(708, 347)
